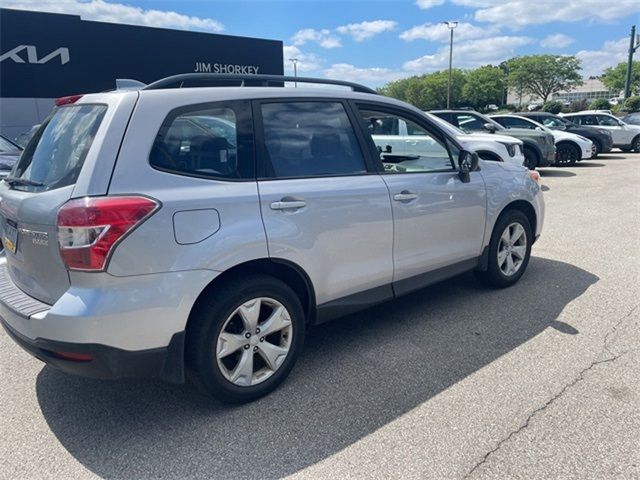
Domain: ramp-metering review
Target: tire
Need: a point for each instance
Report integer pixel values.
(635, 144)
(597, 149)
(218, 372)
(567, 155)
(531, 158)
(495, 274)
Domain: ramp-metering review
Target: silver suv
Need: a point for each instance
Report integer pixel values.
(203, 229)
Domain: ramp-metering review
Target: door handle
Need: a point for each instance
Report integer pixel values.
(405, 196)
(288, 203)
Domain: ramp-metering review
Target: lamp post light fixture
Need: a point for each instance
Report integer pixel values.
(295, 70)
(451, 26)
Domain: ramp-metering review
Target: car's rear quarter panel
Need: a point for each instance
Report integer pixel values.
(153, 248)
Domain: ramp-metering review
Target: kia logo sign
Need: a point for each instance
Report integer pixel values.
(32, 55)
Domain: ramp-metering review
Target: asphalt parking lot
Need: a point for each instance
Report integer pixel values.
(536, 381)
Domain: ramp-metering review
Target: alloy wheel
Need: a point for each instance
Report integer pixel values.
(254, 341)
(512, 249)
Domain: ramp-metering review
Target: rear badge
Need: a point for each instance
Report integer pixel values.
(37, 238)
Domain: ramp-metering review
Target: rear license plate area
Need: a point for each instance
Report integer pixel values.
(10, 237)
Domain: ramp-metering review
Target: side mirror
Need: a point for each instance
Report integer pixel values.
(467, 163)
(539, 128)
(490, 127)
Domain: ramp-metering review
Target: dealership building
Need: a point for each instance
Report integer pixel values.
(44, 56)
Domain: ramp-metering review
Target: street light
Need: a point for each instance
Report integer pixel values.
(451, 26)
(295, 70)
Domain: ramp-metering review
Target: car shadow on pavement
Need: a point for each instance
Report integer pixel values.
(556, 173)
(355, 376)
(586, 163)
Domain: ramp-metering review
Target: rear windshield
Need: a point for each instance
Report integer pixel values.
(56, 153)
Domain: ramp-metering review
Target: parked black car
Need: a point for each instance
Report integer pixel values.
(601, 138)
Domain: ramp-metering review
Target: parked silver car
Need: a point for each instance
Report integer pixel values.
(165, 230)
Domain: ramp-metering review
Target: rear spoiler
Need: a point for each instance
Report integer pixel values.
(129, 84)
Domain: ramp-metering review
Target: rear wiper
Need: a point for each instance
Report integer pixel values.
(23, 181)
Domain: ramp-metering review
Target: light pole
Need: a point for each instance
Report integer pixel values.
(451, 26)
(295, 70)
(634, 44)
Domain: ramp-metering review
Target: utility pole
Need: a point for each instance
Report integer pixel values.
(633, 46)
(451, 26)
(295, 70)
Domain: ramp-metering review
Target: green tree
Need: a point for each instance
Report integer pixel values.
(552, 107)
(600, 104)
(632, 104)
(483, 86)
(544, 75)
(429, 91)
(614, 77)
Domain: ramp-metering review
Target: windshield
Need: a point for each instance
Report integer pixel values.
(8, 146)
(56, 153)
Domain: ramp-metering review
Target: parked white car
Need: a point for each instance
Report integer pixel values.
(488, 146)
(398, 137)
(570, 148)
(626, 137)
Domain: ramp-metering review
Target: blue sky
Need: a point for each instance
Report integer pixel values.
(374, 41)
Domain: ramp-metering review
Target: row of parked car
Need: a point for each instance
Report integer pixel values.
(546, 139)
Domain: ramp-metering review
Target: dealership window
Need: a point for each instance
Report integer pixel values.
(310, 139)
(202, 141)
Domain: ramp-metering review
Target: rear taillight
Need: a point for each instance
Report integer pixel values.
(67, 100)
(89, 228)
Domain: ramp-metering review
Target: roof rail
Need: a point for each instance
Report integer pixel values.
(209, 79)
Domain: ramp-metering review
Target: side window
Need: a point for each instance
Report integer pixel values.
(418, 151)
(607, 121)
(206, 141)
(585, 120)
(469, 122)
(413, 129)
(309, 139)
(510, 122)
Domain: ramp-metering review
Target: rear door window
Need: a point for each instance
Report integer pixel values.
(310, 139)
(55, 155)
(213, 140)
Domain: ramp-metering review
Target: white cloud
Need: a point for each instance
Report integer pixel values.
(517, 13)
(323, 37)
(374, 76)
(307, 62)
(425, 4)
(595, 61)
(438, 32)
(556, 40)
(118, 13)
(365, 30)
(470, 54)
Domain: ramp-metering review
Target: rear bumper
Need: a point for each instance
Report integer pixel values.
(548, 156)
(107, 362)
(127, 326)
(607, 144)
